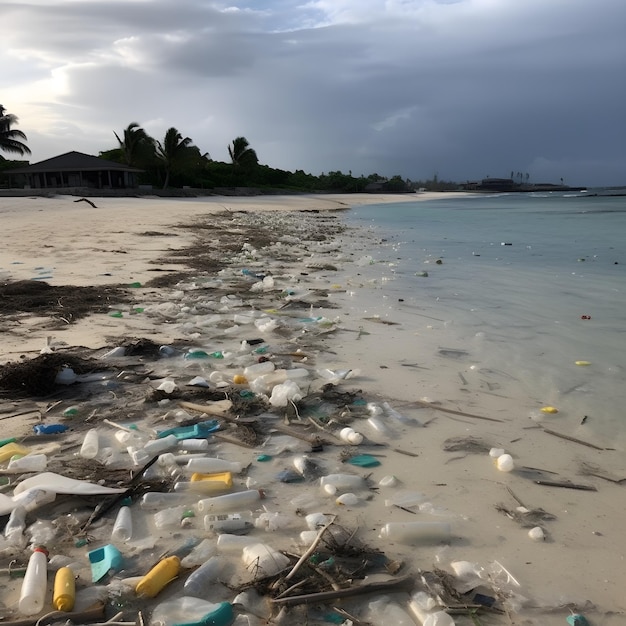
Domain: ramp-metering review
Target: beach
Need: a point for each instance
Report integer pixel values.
(209, 274)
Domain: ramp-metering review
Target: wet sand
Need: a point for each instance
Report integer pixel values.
(392, 355)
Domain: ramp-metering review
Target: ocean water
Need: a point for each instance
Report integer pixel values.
(526, 284)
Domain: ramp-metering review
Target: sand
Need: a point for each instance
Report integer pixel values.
(389, 351)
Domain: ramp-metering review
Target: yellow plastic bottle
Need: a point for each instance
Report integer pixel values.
(212, 483)
(64, 594)
(163, 573)
(12, 449)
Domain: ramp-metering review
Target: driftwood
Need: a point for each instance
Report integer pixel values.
(565, 484)
(569, 438)
(87, 201)
(430, 405)
(392, 585)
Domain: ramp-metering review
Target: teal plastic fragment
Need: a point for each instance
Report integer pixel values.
(195, 431)
(223, 615)
(263, 458)
(364, 460)
(577, 620)
(103, 560)
(334, 618)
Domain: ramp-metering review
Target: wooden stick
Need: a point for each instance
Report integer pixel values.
(430, 405)
(580, 441)
(565, 485)
(357, 590)
(311, 549)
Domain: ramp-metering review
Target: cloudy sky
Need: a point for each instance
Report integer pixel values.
(459, 88)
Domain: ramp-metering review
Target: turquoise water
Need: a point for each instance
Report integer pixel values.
(526, 283)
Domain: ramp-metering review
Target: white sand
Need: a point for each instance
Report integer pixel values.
(583, 558)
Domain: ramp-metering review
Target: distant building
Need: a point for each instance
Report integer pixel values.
(75, 169)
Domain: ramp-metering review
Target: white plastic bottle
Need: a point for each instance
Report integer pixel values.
(258, 369)
(228, 522)
(209, 465)
(123, 526)
(28, 463)
(343, 481)
(154, 500)
(14, 529)
(156, 446)
(349, 435)
(91, 445)
(198, 581)
(230, 501)
(35, 584)
(409, 532)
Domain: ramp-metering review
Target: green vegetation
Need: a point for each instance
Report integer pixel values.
(175, 162)
(10, 137)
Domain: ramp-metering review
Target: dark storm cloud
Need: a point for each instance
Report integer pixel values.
(464, 89)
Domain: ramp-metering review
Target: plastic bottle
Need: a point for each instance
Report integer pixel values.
(343, 481)
(258, 369)
(64, 594)
(123, 525)
(156, 446)
(230, 501)
(33, 498)
(14, 529)
(35, 583)
(193, 445)
(209, 465)
(234, 544)
(169, 518)
(186, 610)
(198, 581)
(207, 483)
(409, 532)
(28, 463)
(154, 500)
(163, 573)
(264, 560)
(10, 449)
(91, 444)
(200, 553)
(228, 522)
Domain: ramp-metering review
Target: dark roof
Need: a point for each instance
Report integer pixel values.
(72, 162)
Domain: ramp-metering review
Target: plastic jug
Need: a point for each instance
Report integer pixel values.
(163, 573)
(64, 594)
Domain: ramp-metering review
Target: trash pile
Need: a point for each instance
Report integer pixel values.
(222, 478)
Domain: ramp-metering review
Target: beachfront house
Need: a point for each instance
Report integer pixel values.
(76, 170)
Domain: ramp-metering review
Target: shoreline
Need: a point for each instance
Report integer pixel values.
(459, 490)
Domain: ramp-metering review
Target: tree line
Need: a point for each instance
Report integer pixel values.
(175, 161)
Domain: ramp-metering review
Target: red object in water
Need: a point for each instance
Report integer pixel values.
(585, 317)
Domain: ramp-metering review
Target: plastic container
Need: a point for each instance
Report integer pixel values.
(186, 611)
(230, 501)
(416, 532)
(228, 522)
(263, 561)
(156, 446)
(210, 483)
(194, 445)
(170, 518)
(258, 369)
(234, 544)
(198, 581)
(14, 529)
(163, 573)
(28, 463)
(208, 465)
(200, 553)
(123, 525)
(32, 499)
(12, 449)
(91, 445)
(155, 500)
(35, 584)
(64, 594)
(343, 481)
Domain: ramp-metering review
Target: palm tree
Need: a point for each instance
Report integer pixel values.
(241, 154)
(172, 151)
(136, 144)
(9, 138)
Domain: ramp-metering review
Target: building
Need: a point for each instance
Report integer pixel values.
(75, 169)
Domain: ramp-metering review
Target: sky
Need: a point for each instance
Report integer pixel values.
(460, 89)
